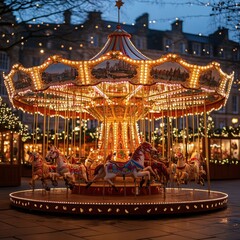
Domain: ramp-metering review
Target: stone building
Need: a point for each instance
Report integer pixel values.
(83, 41)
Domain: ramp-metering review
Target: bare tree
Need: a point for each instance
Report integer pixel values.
(228, 14)
(16, 17)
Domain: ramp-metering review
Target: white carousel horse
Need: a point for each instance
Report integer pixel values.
(182, 169)
(41, 171)
(191, 170)
(197, 171)
(134, 167)
(94, 162)
(68, 171)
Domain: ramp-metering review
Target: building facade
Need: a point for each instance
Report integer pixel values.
(83, 41)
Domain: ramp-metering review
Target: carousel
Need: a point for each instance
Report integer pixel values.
(133, 98)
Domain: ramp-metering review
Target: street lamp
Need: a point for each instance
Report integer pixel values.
(234, 121)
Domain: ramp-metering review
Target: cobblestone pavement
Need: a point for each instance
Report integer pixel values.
(220, 225)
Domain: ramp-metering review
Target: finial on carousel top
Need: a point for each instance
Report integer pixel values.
(119, 4)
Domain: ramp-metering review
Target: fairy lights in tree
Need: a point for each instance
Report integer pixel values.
(9, 121)
(210, 126)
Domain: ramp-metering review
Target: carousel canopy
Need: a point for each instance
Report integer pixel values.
(168, 86)
(118, 83)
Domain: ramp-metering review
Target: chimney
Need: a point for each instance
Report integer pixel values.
(67, 17)
(142, 21)
(95, 16)
(222, 33)
(177, 26)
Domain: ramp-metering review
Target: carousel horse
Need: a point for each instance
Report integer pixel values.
(161, 171)
(41, 170)
(197, 171)
(172, 168)
(69, 172)
(134, 167)
(92, 161)
(159, 166)
(72, 159)
(182, 175)
(166, 168)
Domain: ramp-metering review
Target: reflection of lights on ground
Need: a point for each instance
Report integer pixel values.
(224, 220)
(227, 221)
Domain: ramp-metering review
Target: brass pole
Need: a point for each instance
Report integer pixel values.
(206, 146)
(44, 126)
(163, 137)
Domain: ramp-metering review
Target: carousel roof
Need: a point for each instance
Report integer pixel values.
(120, 41)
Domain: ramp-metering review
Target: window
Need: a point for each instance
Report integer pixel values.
(182, 48)
(222, 110)
(4, 67)
(196, 47)
(222, 123)
(168, 45)
(215, 149)
(207, 50)
(221, 52)
(93, 40)
(4, 62)
(235, 54)
(49, 44)
(225, 146)
(235, 104)
(3, 90)
(35, 61)
(48, 32)
(139, 43)
(9, 148)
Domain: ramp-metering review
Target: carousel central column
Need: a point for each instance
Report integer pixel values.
(120, 136)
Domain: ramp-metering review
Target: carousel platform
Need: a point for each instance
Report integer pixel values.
(101, 200)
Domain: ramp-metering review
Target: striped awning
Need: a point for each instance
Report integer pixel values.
(120, 41)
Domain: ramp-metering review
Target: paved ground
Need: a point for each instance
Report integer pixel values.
(224, 224)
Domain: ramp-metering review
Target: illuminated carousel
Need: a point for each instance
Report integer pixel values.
(123, 89)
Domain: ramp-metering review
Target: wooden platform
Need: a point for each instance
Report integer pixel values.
(172, 201)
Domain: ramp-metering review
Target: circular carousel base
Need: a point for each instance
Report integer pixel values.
(149, 202)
